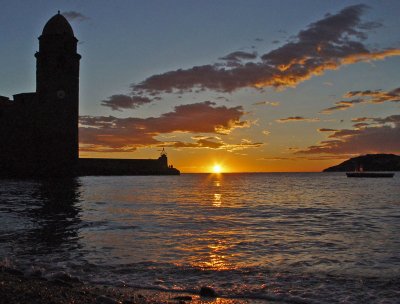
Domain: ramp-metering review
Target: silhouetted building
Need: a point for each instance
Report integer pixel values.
(39, 130)
(107, 166)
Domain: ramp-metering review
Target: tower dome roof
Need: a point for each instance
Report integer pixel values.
(58, 24)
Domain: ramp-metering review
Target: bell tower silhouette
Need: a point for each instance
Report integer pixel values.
(39, 130)
(57, 89)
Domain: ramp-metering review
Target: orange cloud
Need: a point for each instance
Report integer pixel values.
(126, 134)
(370, 56)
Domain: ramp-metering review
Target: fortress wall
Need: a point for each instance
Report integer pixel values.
(103, 166)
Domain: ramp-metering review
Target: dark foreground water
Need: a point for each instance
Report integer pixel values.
(290, 237)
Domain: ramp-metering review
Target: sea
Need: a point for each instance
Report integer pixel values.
(272, 237)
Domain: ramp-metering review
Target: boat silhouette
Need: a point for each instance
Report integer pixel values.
(361, 173)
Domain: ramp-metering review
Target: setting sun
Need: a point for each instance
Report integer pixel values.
(217, 169)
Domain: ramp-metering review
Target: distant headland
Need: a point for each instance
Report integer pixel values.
(369, 162)
(39, 130)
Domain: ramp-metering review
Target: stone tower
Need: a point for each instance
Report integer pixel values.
(57, 93)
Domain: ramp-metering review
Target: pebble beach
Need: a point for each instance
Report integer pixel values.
(19, 288)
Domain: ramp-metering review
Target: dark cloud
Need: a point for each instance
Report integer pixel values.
(201, 143)
(326, 130)
(325, 39)
(327, 44)
(120, 134)
(377, 96)
(118, 102)
(361, 125)
(342, 105)
(75, 16)
(297, 118)
(360, 119)
(393, 120)
(384, 137)
(367, 96)
(239, 55)
(370, 25)
(335, 108)
(373, 120)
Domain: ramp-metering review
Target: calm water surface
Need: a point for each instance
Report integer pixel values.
(290, 237)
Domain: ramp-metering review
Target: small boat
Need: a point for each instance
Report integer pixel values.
(361, 173)
(369, 174)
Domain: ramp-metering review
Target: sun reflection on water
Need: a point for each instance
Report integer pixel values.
(217, 200)
(216, 257)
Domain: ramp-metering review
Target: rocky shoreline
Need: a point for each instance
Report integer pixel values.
(18, 288)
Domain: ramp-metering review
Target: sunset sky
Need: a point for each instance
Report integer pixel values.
(249, 85)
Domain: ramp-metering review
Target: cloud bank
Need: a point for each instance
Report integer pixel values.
(381, 135)
(367, 96)
(109, 133)
(121, 101)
